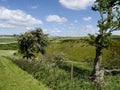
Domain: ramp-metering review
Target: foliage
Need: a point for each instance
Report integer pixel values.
(53, 76)
(59, 78)
(41, 40)
(100, 41)
(32, 42)
(109, 11)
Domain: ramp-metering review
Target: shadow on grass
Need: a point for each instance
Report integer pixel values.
(78, 72)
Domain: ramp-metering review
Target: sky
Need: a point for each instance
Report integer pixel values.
(55, 17)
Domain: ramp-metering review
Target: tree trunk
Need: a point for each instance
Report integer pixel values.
(97, 75)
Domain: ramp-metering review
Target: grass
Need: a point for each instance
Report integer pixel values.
(7, 39)
(6, 52)
(74, 50)
(116, 38)
(54, 77)
(8, 43)
(112, 82)
(10, 46)
(58, 78)
(13, 78)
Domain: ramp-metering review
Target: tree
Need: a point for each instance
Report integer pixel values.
(109, 11)
(32, 42)
(41, 40)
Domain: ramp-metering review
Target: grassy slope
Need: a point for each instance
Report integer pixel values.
(76, 51)
(13, 78)
(80, 51)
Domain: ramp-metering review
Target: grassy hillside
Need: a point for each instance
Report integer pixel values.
(75, 49)
(116, 37)
(13, 78)
(52, 72)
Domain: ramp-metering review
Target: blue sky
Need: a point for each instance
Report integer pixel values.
(55, 17)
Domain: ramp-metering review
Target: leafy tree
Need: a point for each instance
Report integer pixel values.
(41, 40)
(109, 11)
(32, 42)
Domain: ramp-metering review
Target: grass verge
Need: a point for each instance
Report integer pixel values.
(13, 78)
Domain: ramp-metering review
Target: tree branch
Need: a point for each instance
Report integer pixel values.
(112, 71)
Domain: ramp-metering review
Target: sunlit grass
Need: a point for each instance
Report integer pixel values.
(13, 78)
(75, 51)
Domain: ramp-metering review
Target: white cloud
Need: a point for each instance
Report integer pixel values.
(116, 33)
(88, 29)
(53, 31)
(75, 21)
(13, 19)
(76, 4)
(8, 26)
(82, 30)
(56, 18)
(87, 18)
(34, 7)
(72, 24)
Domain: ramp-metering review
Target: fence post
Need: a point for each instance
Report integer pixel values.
(72, 71)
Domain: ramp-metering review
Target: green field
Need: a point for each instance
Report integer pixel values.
(116, 37)
(13, 78)
(8, 43)
(51, 72)
(7, 39)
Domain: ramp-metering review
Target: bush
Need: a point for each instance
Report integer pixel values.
(55, 77)
(58, 78)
